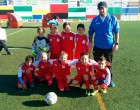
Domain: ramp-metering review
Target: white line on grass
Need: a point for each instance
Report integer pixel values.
(17, 32)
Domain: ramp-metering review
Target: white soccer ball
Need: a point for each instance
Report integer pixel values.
(50, 98)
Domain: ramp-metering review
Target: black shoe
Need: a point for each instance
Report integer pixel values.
(10, 53)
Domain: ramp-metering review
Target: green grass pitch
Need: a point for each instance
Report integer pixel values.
(126, 75)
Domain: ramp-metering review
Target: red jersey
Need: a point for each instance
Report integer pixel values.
(68, 44)
(83, 69)
(27, 70)
(61, 69)
(44, 67)
(55, 42)
(99, 73)
(81, 45)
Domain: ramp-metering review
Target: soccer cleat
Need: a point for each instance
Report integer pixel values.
(112, 84)
(93, 92)
(103, 91)
(87, 92)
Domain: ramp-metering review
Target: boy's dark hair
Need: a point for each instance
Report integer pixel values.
(83, 53)
(102, 58)
(40, 28)
(29, 57)
(56, 17)
(65, 24)
(81, 26)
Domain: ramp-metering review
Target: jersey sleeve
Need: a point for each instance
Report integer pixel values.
(108, 78)
(34, 45)
(47, 44)
(20, 75)
(51, 61)
(73, 62)
(35, 63)
(93, 62)
(91, 29)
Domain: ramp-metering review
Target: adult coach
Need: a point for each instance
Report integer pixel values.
(3, 39)
(105, 28)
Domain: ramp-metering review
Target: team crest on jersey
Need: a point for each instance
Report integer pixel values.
(50, 39)
(103, 75)
(78, 68)
(83, 42)
(31, 69)
(42, 67)
(55, 65)
(58, 40)
(87, 69)
(63, 66)
(71, 38)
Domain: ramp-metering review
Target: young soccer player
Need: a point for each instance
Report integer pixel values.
(68, 40)
(84, 72)
(44, 69)
(40, 44)
(81, 41)
(25, 73)
(101, 76)
(61, 71)
(55, 42)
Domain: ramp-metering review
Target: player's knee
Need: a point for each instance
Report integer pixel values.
(85, 76)
(74, 82)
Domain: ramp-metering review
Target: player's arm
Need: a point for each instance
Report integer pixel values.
(90, 33)
(47, 44)
(116, 29)
(116, 44)
(108, 78)
(34, 48)
(74, 50)
(73, 62)
(36, 63)
(20, 76)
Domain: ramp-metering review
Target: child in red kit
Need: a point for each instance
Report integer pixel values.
(61, 70)
(55, 42)
(101, 75)
(68, 41)
(81, 41)
(25, 73)
(84, 72)
(44, 69)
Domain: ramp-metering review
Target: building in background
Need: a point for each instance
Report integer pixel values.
(72, 10)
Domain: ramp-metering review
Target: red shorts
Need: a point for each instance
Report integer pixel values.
(80, 78)
(42, 75)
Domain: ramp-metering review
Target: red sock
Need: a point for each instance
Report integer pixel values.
(87, 84)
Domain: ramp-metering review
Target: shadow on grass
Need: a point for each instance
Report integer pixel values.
(8, 85)
(35, 103)
(23, 27)
(13, 47)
